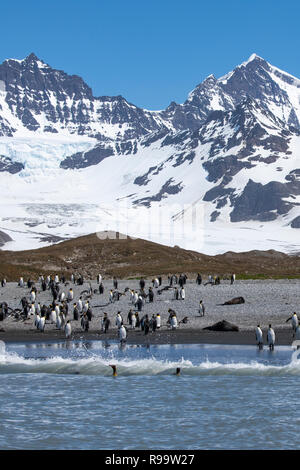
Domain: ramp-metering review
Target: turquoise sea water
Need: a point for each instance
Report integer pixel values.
(63, 396)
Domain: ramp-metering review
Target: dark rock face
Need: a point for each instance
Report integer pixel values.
(214, 215)
(6, 164)
(144, 180)
(167, 188)
(296, 222)
(263, 202)
(85, 159)
(4, 238)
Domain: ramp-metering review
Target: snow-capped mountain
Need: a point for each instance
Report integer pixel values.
(219, 172)
(275, 90)
(35, 97)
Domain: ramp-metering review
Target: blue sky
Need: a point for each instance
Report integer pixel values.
(151, 52)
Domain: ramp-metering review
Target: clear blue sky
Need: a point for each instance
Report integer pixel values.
(151, 52)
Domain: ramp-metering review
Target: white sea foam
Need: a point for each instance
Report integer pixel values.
(97, 365)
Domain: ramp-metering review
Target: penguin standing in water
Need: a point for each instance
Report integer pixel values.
(68, 329)
(271, 338)
(259, 337)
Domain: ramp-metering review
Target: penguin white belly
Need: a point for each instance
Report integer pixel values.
(68, 330)
(122, 333)
(259, 336)
(41, 325)
(271, 337)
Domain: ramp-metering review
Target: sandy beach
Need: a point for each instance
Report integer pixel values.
(266, 301)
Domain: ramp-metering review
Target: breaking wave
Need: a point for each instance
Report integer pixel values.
(97, 365)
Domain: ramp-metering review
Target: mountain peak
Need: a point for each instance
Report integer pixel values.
(33, 59)
(252, 58)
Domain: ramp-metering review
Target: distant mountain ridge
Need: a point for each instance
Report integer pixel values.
(40, 98)
(233, 145)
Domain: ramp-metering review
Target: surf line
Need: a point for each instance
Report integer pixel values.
(116, 460)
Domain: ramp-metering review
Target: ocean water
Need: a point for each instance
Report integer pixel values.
(62, 395)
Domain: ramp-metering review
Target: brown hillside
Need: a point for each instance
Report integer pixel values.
(129, 257)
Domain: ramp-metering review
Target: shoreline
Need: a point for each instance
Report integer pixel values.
(165, 336)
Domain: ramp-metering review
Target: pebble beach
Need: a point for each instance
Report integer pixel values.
(266, 301)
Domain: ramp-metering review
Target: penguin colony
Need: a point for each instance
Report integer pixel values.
(64, 308)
